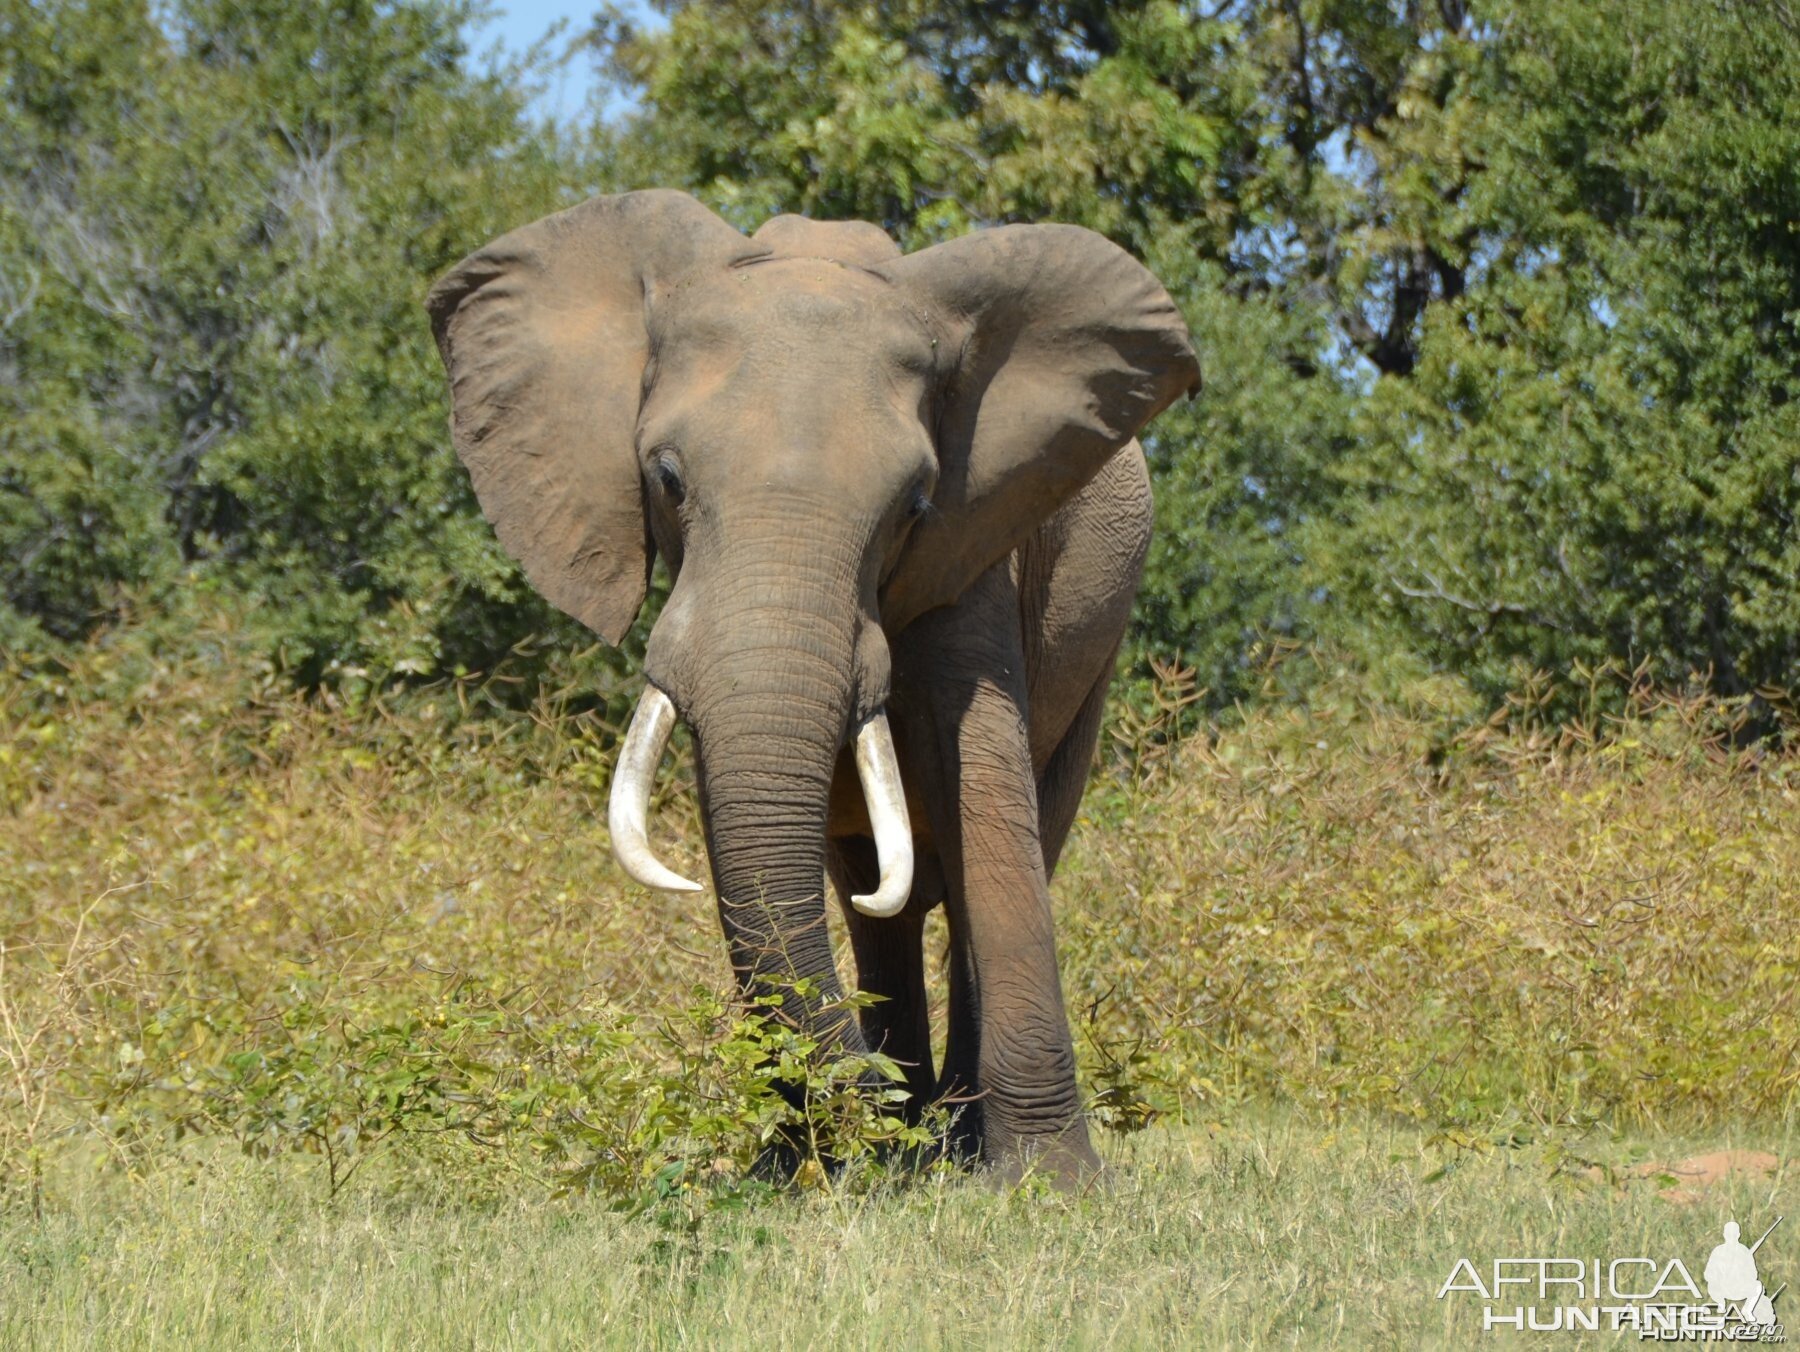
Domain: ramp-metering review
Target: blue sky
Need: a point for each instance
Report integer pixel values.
(519, 23)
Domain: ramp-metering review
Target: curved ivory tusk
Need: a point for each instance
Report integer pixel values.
(880, 776)
(634, 775)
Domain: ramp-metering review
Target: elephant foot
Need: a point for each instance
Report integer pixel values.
(1005, 1159)
(1067, 1162)
(778, 1163)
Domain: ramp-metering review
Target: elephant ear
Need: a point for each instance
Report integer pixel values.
(543, 336)
(1062, 346)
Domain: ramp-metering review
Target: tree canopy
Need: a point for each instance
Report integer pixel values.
(1497, 299)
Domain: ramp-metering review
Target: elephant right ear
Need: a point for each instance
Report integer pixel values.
(543, 336)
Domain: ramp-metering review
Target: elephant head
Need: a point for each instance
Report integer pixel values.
(824, 439)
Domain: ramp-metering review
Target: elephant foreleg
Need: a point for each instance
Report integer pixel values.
(960, 677)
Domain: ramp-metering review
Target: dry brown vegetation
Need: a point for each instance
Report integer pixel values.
(392, 928)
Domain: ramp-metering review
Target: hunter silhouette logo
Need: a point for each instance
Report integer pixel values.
(1731, 1277)
(1656, 1297)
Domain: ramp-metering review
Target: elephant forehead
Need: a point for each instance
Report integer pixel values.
(774, 306)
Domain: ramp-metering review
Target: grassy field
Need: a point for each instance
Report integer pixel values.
(332, 1023)
(1268, 1231)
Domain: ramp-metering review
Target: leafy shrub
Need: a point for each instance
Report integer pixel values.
(368, 930)
(640, 1111)
(1531, 919)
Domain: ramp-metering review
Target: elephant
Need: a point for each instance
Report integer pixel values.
(904, 513)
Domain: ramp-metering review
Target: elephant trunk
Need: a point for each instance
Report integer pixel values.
(763, 663)
(766, 748)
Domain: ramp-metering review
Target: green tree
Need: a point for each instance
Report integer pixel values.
(1496, 299)
(216, 224)
(1598, 455)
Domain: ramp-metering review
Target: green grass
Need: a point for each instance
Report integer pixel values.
(1267, 1230)
(333, 1023)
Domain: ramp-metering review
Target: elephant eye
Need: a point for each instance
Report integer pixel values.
(917, 505)
(668, 475)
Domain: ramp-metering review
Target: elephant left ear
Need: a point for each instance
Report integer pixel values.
(1057, 347)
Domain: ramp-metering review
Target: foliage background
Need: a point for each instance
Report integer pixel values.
(1497, 303)
(376, 938)
(1477, 555)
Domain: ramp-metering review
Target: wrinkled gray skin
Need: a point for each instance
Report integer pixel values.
(879, 482)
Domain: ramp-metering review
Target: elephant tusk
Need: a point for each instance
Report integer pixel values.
(634, 775)
(879, 772)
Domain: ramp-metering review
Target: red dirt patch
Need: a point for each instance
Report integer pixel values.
(1691, 1177)
(1694, 1175)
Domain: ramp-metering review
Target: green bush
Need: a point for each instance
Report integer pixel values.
(216, 228)
(1595, 458)
(708, 1103)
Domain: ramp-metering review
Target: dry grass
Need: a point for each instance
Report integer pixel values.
(1266, 1231)
(1346, 905)
(226, 911)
